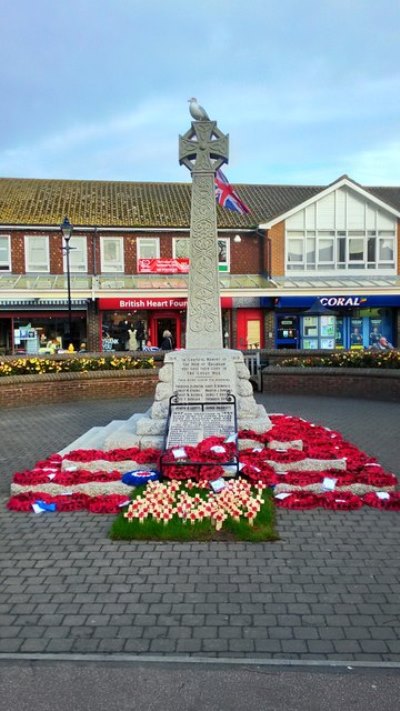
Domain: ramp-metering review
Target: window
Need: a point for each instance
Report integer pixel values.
(223, 255)
(181, 250)
(295, 250)
(310, 250)
(340, 250)
(37, 257)
(5, 256)
(386, 250)
(77, 255)
(112, 254)
(148, 248)
(325, 251)
(356, 250)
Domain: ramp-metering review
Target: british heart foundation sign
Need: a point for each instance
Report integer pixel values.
(164, 266)
(132, 303)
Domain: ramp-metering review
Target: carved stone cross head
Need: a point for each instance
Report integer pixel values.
(203, 148)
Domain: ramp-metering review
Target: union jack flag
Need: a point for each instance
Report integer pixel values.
(226, 195)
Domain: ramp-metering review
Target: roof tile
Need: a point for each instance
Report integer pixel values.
(26, 201)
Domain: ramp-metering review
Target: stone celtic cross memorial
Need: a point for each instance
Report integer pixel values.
(204, 374)
(203, 149)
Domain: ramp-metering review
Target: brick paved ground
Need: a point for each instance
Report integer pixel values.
(329, 589)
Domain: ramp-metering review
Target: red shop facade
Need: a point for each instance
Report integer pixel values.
(157, 314)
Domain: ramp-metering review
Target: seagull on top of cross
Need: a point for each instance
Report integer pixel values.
(197, 111)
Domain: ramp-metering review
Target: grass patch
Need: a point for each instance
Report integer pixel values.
(150, 529)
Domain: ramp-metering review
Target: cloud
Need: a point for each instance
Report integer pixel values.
(78, 145)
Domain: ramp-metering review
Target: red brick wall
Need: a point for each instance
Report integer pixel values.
(363, 383)
(17, 253)
(245, 255)
(277, 237)
(28, 390)
(56, 253)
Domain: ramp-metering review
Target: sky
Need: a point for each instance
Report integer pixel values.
(97, 89)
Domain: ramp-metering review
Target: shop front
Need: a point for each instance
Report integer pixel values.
(28, 332)
(334, 322)
(152, 316)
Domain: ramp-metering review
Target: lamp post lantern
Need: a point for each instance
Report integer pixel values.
(66, 230)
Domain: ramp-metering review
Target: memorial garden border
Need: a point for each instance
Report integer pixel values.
(23, 390)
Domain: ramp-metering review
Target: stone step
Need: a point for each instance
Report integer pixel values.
(96, 437)
(125, 435)
(83, 442)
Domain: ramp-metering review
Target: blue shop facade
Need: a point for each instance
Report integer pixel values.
(333, 322)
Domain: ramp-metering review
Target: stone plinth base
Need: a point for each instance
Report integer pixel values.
(199, 376)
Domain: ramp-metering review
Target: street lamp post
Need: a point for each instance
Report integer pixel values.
(66, 229)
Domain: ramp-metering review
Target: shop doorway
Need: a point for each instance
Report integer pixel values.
(165, 321)
(250, 333)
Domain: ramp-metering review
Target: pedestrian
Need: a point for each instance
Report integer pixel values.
(123, 338)
(140, 334)
(167, 343)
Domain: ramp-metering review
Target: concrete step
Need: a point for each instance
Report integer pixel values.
(83, 442)
(96, 437)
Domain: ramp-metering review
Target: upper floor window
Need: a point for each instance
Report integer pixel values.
(344, 250)
(342, 231)
(77, 255)
(148, 248)
(5, 253)
(112, 254)
(37, 257)
(181, 249)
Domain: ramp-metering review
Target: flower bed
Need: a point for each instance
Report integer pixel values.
(72, 364)
(389, 359)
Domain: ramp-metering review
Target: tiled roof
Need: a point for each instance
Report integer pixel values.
(25, 201)
(391, 196)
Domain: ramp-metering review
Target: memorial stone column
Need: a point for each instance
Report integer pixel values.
(203, 149)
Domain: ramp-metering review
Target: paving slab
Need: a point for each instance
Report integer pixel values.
(327, 590)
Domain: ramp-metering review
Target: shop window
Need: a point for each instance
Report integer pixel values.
(5, 256)
(356, 334)
(37, 258)
(319, 332)
(112, 254)
(77, 255)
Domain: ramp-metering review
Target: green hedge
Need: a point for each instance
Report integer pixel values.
(34, 366)
(346, 359)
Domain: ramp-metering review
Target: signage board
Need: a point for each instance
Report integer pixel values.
(334, 301)
(144, 302)
(180, 265)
